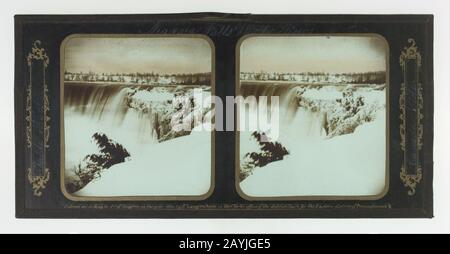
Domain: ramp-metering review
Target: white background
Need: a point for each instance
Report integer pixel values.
(440, 9)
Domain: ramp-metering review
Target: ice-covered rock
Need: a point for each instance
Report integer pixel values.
(343, 111)
(174, 111)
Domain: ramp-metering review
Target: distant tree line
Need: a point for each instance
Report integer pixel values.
(141, 78)
(375, 77)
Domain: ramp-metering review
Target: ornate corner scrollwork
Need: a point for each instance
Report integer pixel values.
(38, 53)
(410, 52)
(38, 182)
(409, 180)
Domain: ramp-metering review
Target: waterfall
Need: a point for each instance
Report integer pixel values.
(287, 94)
(106, 106)
(94, 99)
(296, 123)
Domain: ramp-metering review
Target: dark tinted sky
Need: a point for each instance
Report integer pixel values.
(126, 55)
(333, 54)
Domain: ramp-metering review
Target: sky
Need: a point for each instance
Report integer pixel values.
(332, 54)
(130, 55)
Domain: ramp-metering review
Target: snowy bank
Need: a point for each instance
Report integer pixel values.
(180, 166)
(352, 165)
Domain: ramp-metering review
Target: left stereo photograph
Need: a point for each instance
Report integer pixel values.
(133, 108)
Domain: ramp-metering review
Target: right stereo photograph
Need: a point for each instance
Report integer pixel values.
(313, 115)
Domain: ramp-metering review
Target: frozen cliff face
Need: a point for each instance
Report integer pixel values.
(174, 111)
(343, 111)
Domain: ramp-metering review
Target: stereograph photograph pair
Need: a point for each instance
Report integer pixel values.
(214, 115)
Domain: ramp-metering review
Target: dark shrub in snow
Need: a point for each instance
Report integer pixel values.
(90, 168)
(269, 152)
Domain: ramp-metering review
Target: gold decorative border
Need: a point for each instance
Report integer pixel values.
(411, 181)
(38, 183)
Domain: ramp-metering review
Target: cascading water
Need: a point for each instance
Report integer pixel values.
(108, 107)
(287, 94)
(103, 108)
(295, 123)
